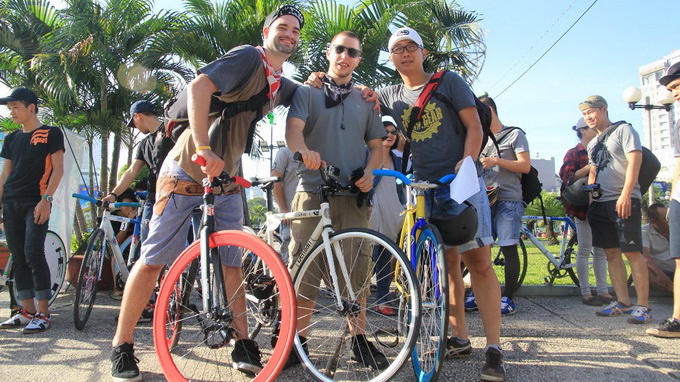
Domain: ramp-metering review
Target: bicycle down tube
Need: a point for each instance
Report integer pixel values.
(568, 224)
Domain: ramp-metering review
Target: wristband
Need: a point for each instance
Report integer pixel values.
(199, 148)
(112, 193)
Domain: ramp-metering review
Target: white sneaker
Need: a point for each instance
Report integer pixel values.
(18, 320)
(39, 323)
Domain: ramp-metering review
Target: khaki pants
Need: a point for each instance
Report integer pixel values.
(344, 214)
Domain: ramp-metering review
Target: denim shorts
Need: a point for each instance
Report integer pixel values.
(439, 204)
(168, 231)
(507, 222)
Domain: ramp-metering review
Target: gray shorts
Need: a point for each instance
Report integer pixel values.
(168, 231)
(440, 204)
(674, 226)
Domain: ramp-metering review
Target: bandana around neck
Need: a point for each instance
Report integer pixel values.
(335, 93)
(273, 77)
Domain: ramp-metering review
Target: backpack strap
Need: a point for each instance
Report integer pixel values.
(417, 112)
(601, 143)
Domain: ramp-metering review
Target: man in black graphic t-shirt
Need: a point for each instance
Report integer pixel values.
(34, 158)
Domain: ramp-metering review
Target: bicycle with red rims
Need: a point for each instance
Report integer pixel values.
(193, 319)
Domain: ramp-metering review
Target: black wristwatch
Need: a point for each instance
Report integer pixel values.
(49, 198)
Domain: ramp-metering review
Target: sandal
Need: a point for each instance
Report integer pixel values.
(592, 301)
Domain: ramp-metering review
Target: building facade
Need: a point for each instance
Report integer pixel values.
(658, 125)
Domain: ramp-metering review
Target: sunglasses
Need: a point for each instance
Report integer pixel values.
(340, 49)
(391, 132)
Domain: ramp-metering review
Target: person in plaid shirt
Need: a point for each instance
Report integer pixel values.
(576, 166)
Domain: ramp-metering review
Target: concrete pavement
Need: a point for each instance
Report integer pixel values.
(550, 338)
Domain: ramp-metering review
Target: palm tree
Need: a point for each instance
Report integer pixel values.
(450, 33)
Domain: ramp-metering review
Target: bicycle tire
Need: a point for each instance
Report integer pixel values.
(88, 278)
(191, 355)
(55, 254)
(430, 349)
(394, 335)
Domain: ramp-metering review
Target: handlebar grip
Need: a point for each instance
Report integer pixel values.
(392, 173)
(242, 182)
(198, 159)
(447, 178)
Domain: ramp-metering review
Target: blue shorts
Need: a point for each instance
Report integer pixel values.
(507, 222)
(168, 231)
(440, 204)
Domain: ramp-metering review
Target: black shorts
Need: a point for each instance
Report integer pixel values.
(610, 231)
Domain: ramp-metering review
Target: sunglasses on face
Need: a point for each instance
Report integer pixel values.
(391, 132)
(340, 49)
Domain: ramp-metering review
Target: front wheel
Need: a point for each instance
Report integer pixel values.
(202, 335)
(88, 278)
(337, 316)
(430, 266)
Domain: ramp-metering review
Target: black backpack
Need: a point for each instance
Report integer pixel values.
(649, 167)
(531, 185)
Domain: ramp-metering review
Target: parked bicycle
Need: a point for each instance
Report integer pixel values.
(343, 305)
(196, 309)
(423, 245)
(56, 256)
(101, 244)
(559, 265)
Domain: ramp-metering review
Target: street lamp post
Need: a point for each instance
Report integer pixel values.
(632, 96)
(265, 147)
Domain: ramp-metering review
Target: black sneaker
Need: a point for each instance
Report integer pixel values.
(366, 353)
(457, 347)
(124, 364)
(147, 314)
(667, 329)
(493, 369)
(293, 358)
(246, 357)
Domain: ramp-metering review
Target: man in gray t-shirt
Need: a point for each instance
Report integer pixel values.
(332, 125)
(615, 217)
(284, 192)
(504, 171)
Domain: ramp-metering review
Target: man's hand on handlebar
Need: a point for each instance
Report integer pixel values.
(365, 183)
(213, 164)
(311, 159)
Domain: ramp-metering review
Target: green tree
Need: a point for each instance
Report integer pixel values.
(553, 207)
(257, 209)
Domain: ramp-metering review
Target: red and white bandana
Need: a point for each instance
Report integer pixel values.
(273, 77)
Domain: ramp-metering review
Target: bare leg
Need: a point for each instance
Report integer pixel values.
(140, 286)
(456, 294)
(617, 273)
(638, 268)
(676, 291)
(235, 288)
(487, 291)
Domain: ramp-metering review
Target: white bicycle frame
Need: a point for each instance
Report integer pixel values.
(323, 230)
(112, 243)
(565, 232)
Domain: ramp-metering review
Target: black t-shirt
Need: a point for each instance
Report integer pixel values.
(152, 150)
(30, 154)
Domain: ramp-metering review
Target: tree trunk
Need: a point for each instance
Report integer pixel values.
(552, 240)
(104, 161)
(115, 155)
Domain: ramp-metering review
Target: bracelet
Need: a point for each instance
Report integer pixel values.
(111, 193)
(199, 148)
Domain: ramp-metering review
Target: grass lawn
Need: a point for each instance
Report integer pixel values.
(537, 268)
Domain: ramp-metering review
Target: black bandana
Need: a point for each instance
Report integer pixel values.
(335, 93)
(283, 11)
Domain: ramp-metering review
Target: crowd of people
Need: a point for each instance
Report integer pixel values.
(333, 120)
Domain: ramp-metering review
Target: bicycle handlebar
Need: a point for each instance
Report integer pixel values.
(445, 179)
(99, 203)
(223, 177)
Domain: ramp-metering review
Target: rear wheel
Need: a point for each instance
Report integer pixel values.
(203, 336)
(567, 263)
(88, 278)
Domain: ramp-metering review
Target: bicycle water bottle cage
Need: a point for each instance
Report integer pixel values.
(459, 229)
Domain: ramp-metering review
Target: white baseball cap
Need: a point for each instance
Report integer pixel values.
(405, 33)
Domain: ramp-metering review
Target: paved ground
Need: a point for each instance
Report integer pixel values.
(550, 338)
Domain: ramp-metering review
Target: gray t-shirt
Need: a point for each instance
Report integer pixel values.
(338, 134)
(612, 163)
(659, 249)
(511, 141)
(286, 165)
(676, 154)
(438, 139)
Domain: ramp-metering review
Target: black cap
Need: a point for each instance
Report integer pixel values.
(20, 94)
(142, 106)
(283, 11)
(672, 73)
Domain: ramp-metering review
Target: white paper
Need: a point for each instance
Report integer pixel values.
(466, 183)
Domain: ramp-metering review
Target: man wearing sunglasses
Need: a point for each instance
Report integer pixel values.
(449, 131)
(332, 124)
